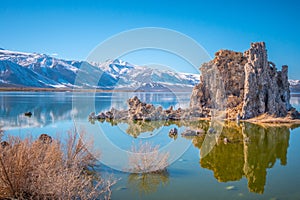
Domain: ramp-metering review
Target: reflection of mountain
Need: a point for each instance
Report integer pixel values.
(164, 99)
(295, 100)
(53, 107)
(46, 108)
(251, 150)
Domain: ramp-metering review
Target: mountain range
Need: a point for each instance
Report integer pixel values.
(294, 85)
(18, 69)
(21, 70)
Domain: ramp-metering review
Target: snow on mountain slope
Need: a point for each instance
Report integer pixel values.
(52, 72)
(294, 82)
(20, 69)
(52, 68)
(12, 74)
(294, 85)
(135, 76)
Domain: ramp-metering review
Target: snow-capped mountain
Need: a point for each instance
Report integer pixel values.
(294, 82)
(294, 85)
(18, 69)
(131, 76)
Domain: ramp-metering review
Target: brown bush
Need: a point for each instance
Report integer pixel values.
(146, 158)
(58, 170)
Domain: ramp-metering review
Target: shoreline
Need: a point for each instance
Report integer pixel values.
(274, 121)
(270, 122)
(32, 89)
(260, 120)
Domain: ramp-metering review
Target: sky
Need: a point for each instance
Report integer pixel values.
(72, 29)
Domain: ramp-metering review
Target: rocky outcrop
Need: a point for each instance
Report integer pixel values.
(139, 110)
(244, 84)
(234, 85)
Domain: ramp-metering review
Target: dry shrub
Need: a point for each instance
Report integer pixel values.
(145, 158)
(58, 170)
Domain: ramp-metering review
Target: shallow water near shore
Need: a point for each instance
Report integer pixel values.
(254, 163)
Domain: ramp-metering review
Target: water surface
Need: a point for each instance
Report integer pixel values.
(256, 162)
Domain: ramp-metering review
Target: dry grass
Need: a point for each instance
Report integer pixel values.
(58, 170)
(145, 158)
(269, 119)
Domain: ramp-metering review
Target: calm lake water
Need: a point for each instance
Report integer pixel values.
(265, 166)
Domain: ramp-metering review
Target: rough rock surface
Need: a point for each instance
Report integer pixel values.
(139, 110)
(242, 83)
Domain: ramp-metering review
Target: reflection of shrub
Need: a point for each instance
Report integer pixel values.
(148, 182)
(37, 170)
(147, 158)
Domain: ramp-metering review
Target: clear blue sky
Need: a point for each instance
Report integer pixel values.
(73, 28)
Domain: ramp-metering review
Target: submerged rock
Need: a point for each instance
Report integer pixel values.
(28, 114)
(231, 187)
(192, 133)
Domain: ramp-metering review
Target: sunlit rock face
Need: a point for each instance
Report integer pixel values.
(243, 83)
(266, 89)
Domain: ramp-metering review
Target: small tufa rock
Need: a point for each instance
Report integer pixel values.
(92, 115)
(109, 115)
(139, 110)
(173, 132)
(4, 144)
(28, 114)
(101, 116)
(46, 139)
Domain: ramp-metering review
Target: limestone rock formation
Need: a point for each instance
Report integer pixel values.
(139, 110)
(245, 84)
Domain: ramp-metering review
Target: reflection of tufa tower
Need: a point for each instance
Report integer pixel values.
(261, 153)
(232, 161)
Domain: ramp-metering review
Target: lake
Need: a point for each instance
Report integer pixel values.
(254, 162)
